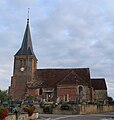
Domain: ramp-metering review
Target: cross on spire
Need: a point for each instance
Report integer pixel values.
(28, 16)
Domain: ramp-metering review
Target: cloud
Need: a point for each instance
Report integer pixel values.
(78, 34)
(65, 33)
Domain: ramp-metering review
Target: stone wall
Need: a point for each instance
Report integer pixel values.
(90, 109)
(23, 116)
(100, 94)
(82, 109)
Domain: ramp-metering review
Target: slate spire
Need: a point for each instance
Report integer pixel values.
(26, 47)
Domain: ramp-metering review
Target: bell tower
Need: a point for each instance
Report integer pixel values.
(25, 64)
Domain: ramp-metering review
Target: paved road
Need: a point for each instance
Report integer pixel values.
(106, 116)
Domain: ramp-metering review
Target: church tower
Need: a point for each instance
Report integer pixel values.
(25, 64)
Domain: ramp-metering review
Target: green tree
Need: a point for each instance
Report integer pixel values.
(4, 96)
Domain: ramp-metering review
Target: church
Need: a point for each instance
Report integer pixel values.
(61, 84)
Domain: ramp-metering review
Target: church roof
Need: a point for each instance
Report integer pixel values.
(72, 79)
(26, 47)
(98, 84)
(51, 77)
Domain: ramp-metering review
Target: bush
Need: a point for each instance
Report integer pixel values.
(3, 113)
(29, 109)
(112, 103)
(42, 104)
(54, 105)
(65, 106)
(48, 109)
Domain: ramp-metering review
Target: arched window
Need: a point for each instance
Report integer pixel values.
(80, 89)
(66, 97)
(40, 91)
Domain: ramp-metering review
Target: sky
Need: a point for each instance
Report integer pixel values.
(65, 34)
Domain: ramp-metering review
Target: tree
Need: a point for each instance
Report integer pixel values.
(4, 96)
(110, 100)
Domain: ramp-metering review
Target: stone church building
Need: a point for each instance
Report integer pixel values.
(64, 84)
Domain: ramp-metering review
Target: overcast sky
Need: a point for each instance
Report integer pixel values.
(65, 33)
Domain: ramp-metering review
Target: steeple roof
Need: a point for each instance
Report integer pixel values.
(26, 47)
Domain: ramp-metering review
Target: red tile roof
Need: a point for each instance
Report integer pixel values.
(98, 84)
(72, 79)
(50, 77)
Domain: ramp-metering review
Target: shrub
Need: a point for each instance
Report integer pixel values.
(54, 105)
(29, 109)
(48, 109)
(42, 104)
(65, 106)
(3, 113)
(112, 103)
